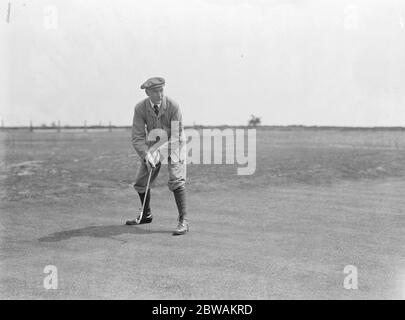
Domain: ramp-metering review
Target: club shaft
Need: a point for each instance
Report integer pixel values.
(146, 193)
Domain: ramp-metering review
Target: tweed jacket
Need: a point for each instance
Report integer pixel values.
(145, 120)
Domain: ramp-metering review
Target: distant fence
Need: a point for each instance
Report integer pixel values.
(64, 128)
(59, 128)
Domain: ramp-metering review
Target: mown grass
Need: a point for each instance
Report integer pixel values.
(63, 164)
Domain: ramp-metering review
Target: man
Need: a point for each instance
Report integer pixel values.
(159, 112)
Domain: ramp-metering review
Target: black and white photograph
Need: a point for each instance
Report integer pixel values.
(202, 150)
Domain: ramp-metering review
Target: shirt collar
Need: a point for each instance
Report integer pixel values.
(152, 104)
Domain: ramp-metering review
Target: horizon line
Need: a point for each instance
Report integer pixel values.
(111, 126)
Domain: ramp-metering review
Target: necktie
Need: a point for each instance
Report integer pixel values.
(156, 109)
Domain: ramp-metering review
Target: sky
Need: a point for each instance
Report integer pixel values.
(293, 62)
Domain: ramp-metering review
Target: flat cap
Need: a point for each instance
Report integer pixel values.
(153, 83)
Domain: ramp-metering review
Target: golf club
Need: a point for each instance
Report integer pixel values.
(138, 220)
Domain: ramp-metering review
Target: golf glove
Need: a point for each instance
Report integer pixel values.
(152, 159)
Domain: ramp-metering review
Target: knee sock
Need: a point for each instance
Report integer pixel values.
(147, 203)
(180, 197)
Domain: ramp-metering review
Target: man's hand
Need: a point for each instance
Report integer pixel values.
(152, 159)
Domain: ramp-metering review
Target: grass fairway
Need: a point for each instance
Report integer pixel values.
(318, 201)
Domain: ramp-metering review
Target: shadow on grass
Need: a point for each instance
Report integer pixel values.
(99, 232)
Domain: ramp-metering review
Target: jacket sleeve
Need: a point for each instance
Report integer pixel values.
(139, 133)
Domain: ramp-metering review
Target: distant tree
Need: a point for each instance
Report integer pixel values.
(254, 121)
